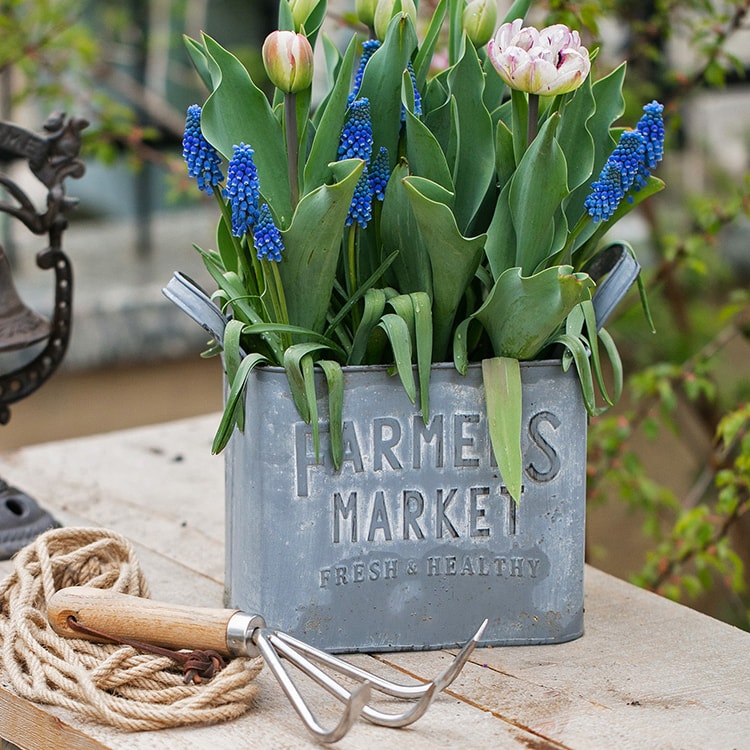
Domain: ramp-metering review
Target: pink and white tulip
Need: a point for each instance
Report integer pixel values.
(288, 60)
(546, 62)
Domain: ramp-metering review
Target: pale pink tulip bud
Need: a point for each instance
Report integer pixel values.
(288, 60)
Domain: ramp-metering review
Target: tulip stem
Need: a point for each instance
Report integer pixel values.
(533, 126)
(292, 146)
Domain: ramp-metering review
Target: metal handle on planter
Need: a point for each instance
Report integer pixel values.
(615, 270)
(191, 299)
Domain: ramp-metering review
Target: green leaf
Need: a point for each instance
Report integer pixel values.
(504, 160)
(381, 83)
(399, 231)
(519, 9)
(415, 310)
(326, 141)
(312, 245)
(423, 152)
(293, 365)
(576, 142)
(454, 258)
(234, 401)
(374, 306)
(610, 105)
(197, 55)
(503, 394)
(423, 59)
(472, 173)
(536, 190)
(238, 112)
(522, 313)
(335, 382)
(500, 247)
(397, 331)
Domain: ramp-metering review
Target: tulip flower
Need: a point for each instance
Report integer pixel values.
(301, 10)
(384, 12)
(365, 10)
(479, 19)
(547, 62)
(288, 60)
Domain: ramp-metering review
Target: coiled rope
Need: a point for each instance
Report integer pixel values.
(111, 684)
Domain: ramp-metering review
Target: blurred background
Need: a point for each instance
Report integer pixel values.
(669, 468)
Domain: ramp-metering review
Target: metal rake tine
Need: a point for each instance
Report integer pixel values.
(354, 704)
(339, 691)
(381, 684)
(454, 668)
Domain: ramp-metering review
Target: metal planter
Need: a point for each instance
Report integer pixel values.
(415, 540)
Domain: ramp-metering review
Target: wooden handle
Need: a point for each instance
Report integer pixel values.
(172, 626)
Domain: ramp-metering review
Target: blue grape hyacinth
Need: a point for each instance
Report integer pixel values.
(368, 49)
(651, 127)
(356, 143)
(267, 237)
(378, 174)
(200, 156)
(242, 190)
(617, 176)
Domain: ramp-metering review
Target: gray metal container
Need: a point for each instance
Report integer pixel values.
(415, 540)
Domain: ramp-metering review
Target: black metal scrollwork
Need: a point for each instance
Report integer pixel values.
(52, 157)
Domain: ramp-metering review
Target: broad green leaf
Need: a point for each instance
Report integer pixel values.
(454, 258)
(381, 83)
(226, 244)
(579, 353)
(610, 105)
(503, 395)
(415, 310)
(500, 247)
(335, 382)
(536, 190)
(473, 172)
(522, 313)
(426, 49)
(374, 307)
(399, 231)
(238, 112)
(575, 140)
(423, 152)
(293, 365)
(311, 398)
(397, 331)
(504, 162)
(326, 141)
(312, 245)
(234, 400)
(197, 55)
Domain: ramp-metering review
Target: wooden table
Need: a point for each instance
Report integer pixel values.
(648, 673)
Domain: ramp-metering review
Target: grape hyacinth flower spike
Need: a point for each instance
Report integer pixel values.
(242, 190)
(356, 143)
(200, 156)
(267, 237)
(617, 176)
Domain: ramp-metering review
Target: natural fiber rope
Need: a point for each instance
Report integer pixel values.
(114, 685)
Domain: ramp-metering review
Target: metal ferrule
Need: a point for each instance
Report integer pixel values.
(240, 630)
